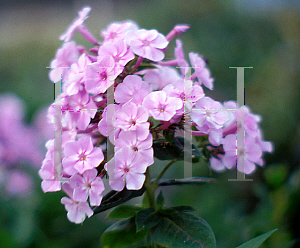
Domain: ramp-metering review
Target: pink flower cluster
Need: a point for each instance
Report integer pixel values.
(19, 147)
(116, 91)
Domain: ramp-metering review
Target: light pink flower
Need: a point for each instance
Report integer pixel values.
(49, 171)
(147, 44)
(179, 55)
(160, 106)
(209, 112)
(127, 167)
(201, 72)
(140, 146)
(159, 78)
(77, 211)
(132, 117)
(245, 157)
(119, 52)
(82, 16)
(64, 58)
(75, 80)
(133, 88)
(81, 155)
(87, 185)
(100, 75)
(117, 31)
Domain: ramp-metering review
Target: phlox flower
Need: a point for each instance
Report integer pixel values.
(100, 75)
(77, 211)
(117, 31)
(209, 112)
(82, 16)
(106, 124)
(81, 155)
(49, 171)
(126, 168)
(160, 106)
(119, 52)
(147, 44)
(80, 109)
(201, 72)
(132, 117)
(64, 58)
(75, 80)
(159, 78)
(179, 56)
(87, 185)
(244, 157)
(133, 88)
(186, 91)
(140, 146)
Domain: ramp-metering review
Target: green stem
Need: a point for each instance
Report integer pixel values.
(163, 171)
(150, 190)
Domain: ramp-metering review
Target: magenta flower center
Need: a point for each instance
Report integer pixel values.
(103, 76)
(161, 108)
(135, 149)
(133, 122)
(82, 156)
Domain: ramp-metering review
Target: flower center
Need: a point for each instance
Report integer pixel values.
(135, 149)
(146, 42)
(126, 169)
(82, 156)
(161, 108)
(103, 76)
(133, 122)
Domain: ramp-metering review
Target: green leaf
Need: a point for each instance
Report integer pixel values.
(183, 230)
(146, 218)
(187, 180)
(122, 234)
(124, 211)
(183, 208)
(160, 200)
(115, 198)
(256, 242)
(167, 151)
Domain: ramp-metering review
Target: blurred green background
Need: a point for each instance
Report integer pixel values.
(261, 34)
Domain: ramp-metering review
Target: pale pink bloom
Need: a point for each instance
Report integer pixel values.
(201, 72)
(186, 91)
(77, 211)
(177, 30)
(159, 78)
(179, 55)
(133, 88)
(209, 112)
(132, 117)
(87, 185)
(119, 52)
(64, 58)
(75, 80)
(117, 31)
(239, 117)
(244, 157)
(106, 124)
(127, 167)
(100, 75)
(140, 146)
(265, 146)
(82, 16)
(147, 44)
(80, 109)
(160, 106)
(49, 170)
(81, 155)
(216, 164)
(18, 183)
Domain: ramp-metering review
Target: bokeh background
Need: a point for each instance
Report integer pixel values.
(263, 34)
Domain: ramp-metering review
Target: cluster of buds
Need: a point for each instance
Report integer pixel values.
(118, 98)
